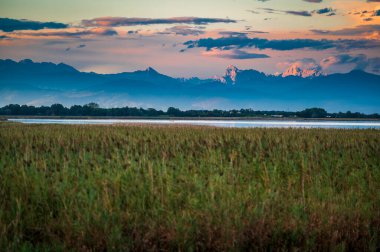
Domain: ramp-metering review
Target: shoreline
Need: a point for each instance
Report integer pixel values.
(292, 119)
(328, 124)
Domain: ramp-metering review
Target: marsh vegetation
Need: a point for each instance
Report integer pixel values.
(188, 188)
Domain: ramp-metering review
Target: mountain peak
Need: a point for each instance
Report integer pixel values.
(66, 67)
(309, 71)
(230, 74)
(232, 68)
(26, 61)
(151, 70)
(234, 75)
(29, 66)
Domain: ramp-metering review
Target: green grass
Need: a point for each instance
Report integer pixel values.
(188, 188)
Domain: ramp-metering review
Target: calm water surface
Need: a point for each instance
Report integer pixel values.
(218, 123)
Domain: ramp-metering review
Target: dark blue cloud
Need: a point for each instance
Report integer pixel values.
(303, 13)
(229, 43)
(9, 25)
(73, 34)
(324, 11)
(243, 33)
(299, 13)
(232, 33)
(291, 12)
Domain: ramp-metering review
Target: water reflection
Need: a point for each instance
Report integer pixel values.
(218, 123)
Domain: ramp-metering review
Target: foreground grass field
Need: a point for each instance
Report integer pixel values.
(188, 188)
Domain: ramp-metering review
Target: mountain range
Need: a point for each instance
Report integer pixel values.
(32, 83)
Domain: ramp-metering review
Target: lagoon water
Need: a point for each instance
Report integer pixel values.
(218, 123)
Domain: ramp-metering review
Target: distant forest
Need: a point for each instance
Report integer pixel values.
(93, 109)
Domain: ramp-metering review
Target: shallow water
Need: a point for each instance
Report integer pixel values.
(218, 123)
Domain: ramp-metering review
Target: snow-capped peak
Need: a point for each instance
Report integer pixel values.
(229, 75)
(308, 71)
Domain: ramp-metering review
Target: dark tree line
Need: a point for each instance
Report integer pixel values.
(93, 109)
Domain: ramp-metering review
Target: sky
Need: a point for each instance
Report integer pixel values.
(183, 38)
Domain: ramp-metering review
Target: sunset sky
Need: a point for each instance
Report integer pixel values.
(184, 38)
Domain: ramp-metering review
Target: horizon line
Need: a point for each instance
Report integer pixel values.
(148, 68)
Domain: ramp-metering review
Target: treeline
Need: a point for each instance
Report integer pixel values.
(93, 109)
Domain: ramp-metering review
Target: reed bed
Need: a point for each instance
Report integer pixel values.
(122, 188)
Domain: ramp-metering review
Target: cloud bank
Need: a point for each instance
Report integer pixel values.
(228, 43)
(9, 25)
(354, 31)
(183, 30)
(123, 21)
(360, 62)
(77, 33)
(329, 11)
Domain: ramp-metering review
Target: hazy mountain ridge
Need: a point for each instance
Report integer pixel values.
(27, 82)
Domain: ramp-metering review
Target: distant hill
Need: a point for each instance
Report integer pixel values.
(28, 82)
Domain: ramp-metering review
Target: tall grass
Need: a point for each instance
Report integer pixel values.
(188, 188)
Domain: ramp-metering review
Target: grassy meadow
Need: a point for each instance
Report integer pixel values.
(122, 188)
